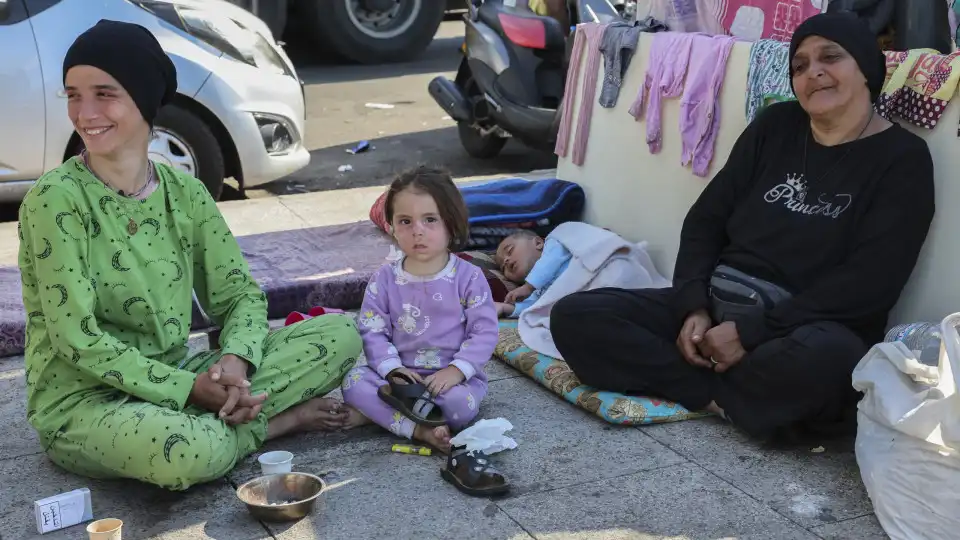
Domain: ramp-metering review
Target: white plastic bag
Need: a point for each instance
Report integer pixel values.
(487, 436)
(908, 437)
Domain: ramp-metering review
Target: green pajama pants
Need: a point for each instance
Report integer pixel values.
(116, 436)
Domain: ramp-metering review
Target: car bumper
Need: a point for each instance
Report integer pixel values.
(239, 94)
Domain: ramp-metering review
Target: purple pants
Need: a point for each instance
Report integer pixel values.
(459, 404)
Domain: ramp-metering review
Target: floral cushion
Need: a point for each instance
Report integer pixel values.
(557, 377)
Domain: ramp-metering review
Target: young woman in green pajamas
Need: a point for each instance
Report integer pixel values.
(112, 247)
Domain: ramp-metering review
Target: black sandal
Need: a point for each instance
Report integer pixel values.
(473, 475)
(409, 399)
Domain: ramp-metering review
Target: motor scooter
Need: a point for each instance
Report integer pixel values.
(511, 80)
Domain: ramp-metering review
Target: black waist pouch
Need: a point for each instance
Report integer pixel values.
(735, 295)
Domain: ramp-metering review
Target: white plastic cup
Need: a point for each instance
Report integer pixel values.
(105, 529)
(276, 462)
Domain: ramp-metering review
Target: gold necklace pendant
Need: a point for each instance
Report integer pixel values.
(132, 227)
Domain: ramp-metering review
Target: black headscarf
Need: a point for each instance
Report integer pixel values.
(132, 55)
(845, 29)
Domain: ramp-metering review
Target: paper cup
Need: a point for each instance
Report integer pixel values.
(276, 462)
(105, 529)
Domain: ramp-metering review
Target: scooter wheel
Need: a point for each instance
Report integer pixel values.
(478, 145)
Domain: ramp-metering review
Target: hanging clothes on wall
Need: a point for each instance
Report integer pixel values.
(920, 87)
(753, 20)
(953, 18)
(894, 59)
(684, 15)
(922, 24)
(618, 45)
(666, 69)
(768, 75)
(587, 39)
(699, 107)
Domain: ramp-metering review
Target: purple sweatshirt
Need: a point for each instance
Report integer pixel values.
(429, 323)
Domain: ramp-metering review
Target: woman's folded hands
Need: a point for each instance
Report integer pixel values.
(224, 389)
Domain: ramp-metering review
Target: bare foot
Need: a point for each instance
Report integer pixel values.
(354, 419)
(715, 409)
(438, 437)
(317, 414)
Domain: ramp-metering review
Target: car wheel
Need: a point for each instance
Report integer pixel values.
(375, 31)
(184, 142)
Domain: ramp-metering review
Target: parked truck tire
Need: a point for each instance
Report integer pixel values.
(373, 31)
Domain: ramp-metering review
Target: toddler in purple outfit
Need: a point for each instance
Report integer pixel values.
(428, 318)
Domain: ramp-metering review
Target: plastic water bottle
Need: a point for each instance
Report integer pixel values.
(921, 337)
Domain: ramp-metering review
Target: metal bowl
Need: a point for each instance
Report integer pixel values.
(281, 497)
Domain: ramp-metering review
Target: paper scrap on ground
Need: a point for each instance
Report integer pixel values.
(345, 168)
(379, 106)
(486, 436)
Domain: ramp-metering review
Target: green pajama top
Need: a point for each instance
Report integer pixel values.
(108, 284)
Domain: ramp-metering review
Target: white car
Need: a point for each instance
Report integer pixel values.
(239, 110)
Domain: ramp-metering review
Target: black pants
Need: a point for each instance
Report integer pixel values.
(625, 341)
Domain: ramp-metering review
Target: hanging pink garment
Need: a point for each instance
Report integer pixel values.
(699, 107)
(588, 36)
(753, 20)
(669, 55)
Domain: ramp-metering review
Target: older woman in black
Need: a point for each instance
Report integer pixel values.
(789, 262)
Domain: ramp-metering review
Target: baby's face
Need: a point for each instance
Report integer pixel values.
(516, 256)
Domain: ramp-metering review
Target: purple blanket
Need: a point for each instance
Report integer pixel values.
(322, 266)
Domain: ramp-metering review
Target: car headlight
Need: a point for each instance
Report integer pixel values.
(220, 32)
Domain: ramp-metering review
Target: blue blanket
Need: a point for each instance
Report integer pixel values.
(497, 208)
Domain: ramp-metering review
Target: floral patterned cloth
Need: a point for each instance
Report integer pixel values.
(557, 377)
(768, 79)
(920, 83)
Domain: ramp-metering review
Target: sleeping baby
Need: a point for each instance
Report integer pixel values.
(574, 257)
(526, 258)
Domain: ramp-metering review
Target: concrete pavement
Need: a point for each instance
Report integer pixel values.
(574, 476)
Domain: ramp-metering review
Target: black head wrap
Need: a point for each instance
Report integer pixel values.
(848, 31)
(132, 55)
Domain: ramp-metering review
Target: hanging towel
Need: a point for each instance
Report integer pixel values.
(666, 70)
(920, 88)
(768, 75)
(699, 107)
(587, 37)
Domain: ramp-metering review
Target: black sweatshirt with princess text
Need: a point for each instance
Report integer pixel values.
(841, 230)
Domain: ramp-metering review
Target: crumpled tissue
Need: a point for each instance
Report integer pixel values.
(486, 436)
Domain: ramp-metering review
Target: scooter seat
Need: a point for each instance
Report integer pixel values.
(489, 13)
